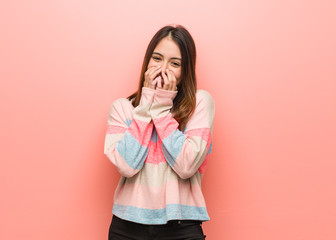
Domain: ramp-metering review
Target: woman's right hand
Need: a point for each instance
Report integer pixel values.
(150, 75)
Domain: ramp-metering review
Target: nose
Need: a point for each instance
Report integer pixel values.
(164, 66)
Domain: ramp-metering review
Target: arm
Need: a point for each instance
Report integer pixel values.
(128, 134)
(186, 151)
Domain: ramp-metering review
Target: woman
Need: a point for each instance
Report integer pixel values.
(159, 139)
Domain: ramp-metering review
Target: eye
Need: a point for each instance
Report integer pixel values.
(176, 64)
(156, 58)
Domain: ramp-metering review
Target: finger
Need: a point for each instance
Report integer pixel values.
(172, 80)
(150, 71)
(154, 82)
(155, 73)
(169, 75)
(149, 77)
(165, 81)
(159, 82)
(146, 76)
(153, 68)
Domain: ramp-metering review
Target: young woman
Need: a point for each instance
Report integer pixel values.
(159, 139)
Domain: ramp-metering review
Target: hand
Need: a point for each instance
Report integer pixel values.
(169, 81)
(150, 75)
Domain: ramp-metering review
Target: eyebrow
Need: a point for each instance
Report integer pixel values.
(171, 58)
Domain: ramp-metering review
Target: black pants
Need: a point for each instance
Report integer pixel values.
(174, 230)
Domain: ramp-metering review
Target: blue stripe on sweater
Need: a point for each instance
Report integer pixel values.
(160, 216)
(132, 151)
(172, 146)
(154, 137)
(128, 122)
(210, 148)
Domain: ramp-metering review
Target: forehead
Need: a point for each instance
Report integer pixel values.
(168, 48)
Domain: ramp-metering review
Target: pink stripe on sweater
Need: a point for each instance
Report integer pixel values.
(165, 126)
(155, 155)
(141, 131)
(204, 133)
(201, 169)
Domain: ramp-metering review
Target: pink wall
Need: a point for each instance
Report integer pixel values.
(270, 66)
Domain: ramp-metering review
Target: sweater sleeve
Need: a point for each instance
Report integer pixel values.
(186, 152)
(128, 133)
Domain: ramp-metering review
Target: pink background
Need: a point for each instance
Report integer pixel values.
(270, 66)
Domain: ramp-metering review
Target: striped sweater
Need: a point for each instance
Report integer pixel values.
(161, 167)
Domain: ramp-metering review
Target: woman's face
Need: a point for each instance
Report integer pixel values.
(167, 54)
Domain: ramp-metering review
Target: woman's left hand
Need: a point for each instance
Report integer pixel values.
(169, 81)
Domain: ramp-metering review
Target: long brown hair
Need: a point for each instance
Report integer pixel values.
(185, 100)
